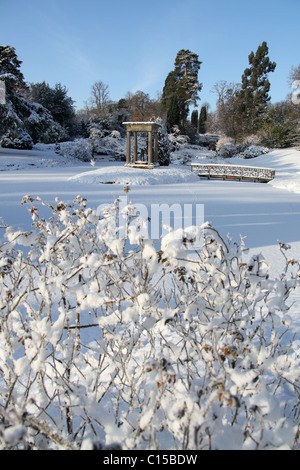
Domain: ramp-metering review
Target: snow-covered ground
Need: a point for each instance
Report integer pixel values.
(264, 213)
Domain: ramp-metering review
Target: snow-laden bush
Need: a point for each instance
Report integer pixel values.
(20, 139)
(224, 141)
(227, 148)
(106, 338)
(106, 142)
(177, 140)
(115, 135)
(164, 146)
(79, 149)
(253, 151)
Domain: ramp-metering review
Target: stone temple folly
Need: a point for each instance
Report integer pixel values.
(151, 158)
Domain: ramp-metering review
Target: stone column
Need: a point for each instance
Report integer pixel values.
(134, 147)
(128, 148)
(155, 147)
(149, 147)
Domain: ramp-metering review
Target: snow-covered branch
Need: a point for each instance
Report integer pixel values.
(111, 339)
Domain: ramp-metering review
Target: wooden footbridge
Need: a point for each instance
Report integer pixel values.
(236, 172)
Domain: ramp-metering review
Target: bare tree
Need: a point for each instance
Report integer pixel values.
(99, 97)
(227, 107)
(294, 74)
(141, 107)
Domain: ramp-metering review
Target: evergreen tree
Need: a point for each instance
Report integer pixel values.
(202, 120)
(10, 69)
(194, 119)
(164, 147)
(254, 96)
(169, 91)
(173, 114)
(63, 106)
(55, 100)
(183, 83)
(22, 123)
(278, 130)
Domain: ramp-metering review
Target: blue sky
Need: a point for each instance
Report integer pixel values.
(132, 44)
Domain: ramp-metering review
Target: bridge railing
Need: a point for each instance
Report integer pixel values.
(239, 172)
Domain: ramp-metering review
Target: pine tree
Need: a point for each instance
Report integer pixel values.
(55, 100)
(183, 83)
(10, 69)
(22, 123)
(254, 96)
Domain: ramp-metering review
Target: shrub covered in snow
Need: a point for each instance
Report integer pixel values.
(229, 151)
(164, 147)
(177, 140)
(19, 139)
(227, 148)
(41, 126)
(253, 151)
(224, 141)
(115, 135)
(103, 141)
(107, 338)
(79, 148)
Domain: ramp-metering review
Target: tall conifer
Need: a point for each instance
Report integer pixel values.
(254, 94)
(10, 69)
(194, 119)
(183, 83)
(202, 120)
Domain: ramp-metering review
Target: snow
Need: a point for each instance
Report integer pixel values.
(286, 163)
(138, 123)
(262, 213)
(137, 176)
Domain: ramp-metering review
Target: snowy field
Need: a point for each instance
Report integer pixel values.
(264, 213)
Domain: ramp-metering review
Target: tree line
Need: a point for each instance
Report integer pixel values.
(242, 109)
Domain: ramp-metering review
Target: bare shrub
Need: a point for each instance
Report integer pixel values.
(108, 338)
